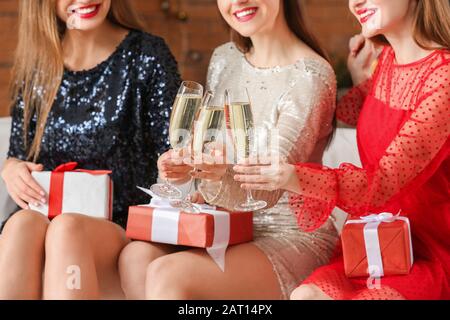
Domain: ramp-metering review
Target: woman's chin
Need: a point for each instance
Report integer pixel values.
(370, 33)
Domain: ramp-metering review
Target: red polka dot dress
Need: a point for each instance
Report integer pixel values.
(403, 123)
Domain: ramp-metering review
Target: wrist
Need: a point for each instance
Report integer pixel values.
(292, 184)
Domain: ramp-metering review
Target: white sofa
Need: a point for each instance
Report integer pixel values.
(342, 149)
(6, 204)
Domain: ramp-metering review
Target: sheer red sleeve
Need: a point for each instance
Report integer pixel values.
(350, 104)
(360, 191)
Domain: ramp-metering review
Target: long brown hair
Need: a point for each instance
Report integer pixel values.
(38, 63)
(431, 24)
(293, 14)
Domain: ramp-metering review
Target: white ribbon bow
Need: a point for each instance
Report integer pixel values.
(372, 240)
(165, 225)
(382, 217)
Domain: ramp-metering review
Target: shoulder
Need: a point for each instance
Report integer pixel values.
(149, 56)
(438, 71)
(319, 72)
(147, 46)
(226, 51)
(442, 65)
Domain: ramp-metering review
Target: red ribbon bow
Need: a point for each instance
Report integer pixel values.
(57, 185)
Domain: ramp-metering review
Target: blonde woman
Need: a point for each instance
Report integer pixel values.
(100, 95)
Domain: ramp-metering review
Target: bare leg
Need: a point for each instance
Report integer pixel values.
(133, 263)
(22, 256)
(193, 274)
(86, 249)
(309, 292)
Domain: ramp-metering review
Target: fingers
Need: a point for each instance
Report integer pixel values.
(28, 179)
(211, 167)
(253, 179)
(34, 166)
(18, 201)
(208, 176)
(356, 43)
(27, 194)
(255, 170)
(174, 175)
(259, 186)
(196, 198)
(176, 169)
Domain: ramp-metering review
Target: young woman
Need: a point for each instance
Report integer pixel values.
(402, 113)
(100, 95)
(293, 91)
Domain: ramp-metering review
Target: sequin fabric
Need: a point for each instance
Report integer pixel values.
(298, 101)
(114, 116)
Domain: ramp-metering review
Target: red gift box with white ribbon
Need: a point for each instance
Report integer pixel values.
(71, 190)
(210, 227)
(377, 245)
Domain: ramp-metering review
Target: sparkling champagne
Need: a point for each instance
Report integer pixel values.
(240, 121)
(185, 111)
(208, 128)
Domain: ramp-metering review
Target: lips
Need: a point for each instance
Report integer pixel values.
(365, 14)
(85, 12)
(245, 14)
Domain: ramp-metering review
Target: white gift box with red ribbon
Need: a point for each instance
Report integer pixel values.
(71, 190)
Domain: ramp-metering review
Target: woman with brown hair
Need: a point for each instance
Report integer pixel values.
(293, 92)
(402, 114)
(89, 86)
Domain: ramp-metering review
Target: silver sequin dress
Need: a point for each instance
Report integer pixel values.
(298, 101)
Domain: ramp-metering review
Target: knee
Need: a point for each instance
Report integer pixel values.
(132, 264)
(306, 292)
(26, 223)
(167, 280)
(64, 230)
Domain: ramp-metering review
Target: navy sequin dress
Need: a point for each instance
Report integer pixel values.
(114, 116)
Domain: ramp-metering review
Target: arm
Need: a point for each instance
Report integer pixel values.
(350, 104)
(16, 171)
(162, 89)
(17, 148)
(361, 62)
(418, 146)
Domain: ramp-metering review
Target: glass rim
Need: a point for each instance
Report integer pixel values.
(193, 85)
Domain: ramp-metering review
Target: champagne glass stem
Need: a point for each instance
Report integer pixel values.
(250, 197)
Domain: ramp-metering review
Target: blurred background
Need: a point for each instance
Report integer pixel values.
(193, 28)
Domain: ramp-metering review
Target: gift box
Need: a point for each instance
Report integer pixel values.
(377, 245)
(210, 227)
(173, 226)
(71, 190)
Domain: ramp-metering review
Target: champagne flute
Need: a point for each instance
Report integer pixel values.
(240, 121)
(208, 133)
(185, 111)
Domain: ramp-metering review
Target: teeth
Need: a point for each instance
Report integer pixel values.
(368, 13)
(86, 10)
(245, 13)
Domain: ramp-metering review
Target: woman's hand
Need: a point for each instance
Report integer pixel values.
(363, 53)
(196, 198)
(172, 168)
(269, 177)
(21, 185)
(210, 166)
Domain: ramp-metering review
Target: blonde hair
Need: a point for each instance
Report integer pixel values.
(38, 63)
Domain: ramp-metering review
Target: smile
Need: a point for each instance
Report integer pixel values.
(365, 14)
(245, 14)
(85, 12)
